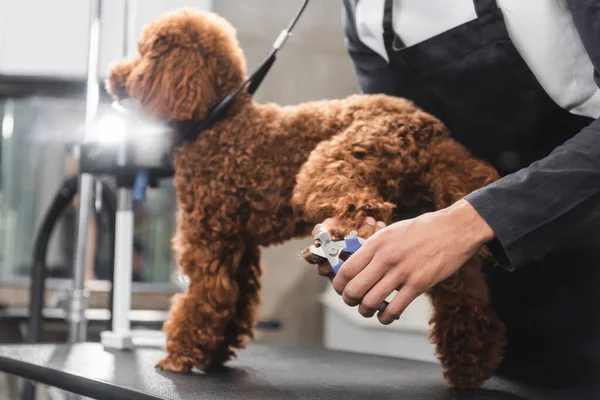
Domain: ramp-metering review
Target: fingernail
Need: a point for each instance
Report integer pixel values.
(370, 221)
(381, 224)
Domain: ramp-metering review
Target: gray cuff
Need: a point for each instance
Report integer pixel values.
(504, 248)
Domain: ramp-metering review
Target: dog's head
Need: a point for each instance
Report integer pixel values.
(187, 60)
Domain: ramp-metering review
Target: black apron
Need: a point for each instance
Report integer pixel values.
(473, 79)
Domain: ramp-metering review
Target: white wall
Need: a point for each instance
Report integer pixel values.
(49, 38)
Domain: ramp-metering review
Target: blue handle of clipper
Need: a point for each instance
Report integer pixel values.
(337, 267)
(383, 305)
(351, 245)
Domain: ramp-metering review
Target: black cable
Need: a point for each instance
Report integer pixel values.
(297, 16)
(63, 198)
(61, 202)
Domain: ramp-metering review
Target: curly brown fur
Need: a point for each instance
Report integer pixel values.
(405, 156)
(266, 173)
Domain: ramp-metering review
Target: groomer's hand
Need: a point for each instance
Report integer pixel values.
(410, 256)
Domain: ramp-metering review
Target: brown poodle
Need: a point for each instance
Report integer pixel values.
(264, 174)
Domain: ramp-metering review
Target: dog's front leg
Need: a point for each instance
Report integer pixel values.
(241, 326)
(350, 212)
(196, 328)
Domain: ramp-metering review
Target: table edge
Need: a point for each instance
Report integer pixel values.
(83, 386)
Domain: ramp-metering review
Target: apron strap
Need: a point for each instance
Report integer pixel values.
(389, 36)
(484, 6)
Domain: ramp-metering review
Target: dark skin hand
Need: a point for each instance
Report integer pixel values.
(410, 256)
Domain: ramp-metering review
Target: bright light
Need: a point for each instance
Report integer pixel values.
(109, 129)
(8, 126)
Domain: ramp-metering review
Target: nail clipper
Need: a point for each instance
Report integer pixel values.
(333, 249)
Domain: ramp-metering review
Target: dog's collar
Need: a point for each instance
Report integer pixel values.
(188, 131)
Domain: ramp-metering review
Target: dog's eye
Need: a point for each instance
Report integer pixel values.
(140, 77)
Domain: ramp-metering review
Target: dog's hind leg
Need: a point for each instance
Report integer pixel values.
(468, 334)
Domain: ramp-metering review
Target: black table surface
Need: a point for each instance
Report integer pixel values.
(262, 371)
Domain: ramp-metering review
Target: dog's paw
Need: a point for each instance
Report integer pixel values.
(467, 378)
(337, 233)
(322, 265)
(175, 364)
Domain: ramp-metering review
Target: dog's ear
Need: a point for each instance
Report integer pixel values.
(116, 84)
(173, 83)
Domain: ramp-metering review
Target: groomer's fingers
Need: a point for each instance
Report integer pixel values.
(362, 283)
(392, 312)
(367, 228)
(370, 227)
(372, 300)
(326, 225)
(324, 269)
(352, 267)
(316, 229)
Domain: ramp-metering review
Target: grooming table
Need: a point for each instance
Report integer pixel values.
(263, 371)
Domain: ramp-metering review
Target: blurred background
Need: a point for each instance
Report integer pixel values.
(43, 67)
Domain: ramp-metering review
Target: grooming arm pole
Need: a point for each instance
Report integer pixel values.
(120, 336)
(77, 320)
